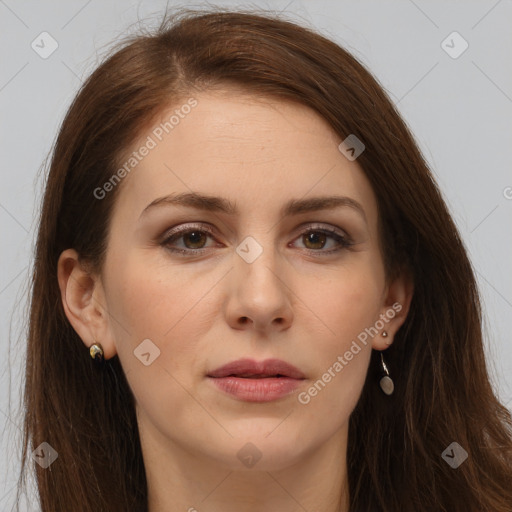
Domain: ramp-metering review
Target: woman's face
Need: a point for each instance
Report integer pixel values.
(256, 282)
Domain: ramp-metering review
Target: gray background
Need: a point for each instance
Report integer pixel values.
(458, 108)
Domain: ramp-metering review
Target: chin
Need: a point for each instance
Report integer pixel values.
(258, 452)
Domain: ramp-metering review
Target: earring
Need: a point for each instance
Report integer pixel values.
(96, 352)
(386, 383)
(385, 334)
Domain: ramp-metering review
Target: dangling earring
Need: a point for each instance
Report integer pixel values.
(386, 383)
(96, 352)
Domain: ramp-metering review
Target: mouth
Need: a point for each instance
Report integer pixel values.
(251, 381)
(264, 376)
(251, 369)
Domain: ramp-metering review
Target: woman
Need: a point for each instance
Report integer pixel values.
(249, 294)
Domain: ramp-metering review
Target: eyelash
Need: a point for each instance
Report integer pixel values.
(344, 241)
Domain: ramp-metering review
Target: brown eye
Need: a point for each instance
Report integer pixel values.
(197, 239)
(193, 240)
(317, 239)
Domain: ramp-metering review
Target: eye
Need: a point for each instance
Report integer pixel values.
(315, 238)
(195, 238)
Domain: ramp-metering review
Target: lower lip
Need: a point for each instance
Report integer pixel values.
(257, 390)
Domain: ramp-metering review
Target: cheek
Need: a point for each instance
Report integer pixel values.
(348, 301)
(347, 306)
(152, 300)
(150, 296)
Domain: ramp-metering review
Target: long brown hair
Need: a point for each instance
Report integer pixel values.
(442, 387)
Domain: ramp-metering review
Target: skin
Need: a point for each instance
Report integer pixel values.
(214, 307)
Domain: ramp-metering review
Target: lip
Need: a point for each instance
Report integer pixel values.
(264, 386)
(266, 368)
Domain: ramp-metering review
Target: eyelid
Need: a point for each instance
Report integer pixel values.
(343, 238)
(184, 228)
(305, 226)
(311, 226)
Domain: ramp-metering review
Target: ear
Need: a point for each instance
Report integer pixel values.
(84, 302)
(397, 298)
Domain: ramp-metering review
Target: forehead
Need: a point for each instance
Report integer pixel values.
(256, 152)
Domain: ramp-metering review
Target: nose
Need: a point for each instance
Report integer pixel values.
(260, 297)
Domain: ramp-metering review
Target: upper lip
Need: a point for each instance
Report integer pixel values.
(250, 367)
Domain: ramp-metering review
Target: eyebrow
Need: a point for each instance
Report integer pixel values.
(222, 205)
